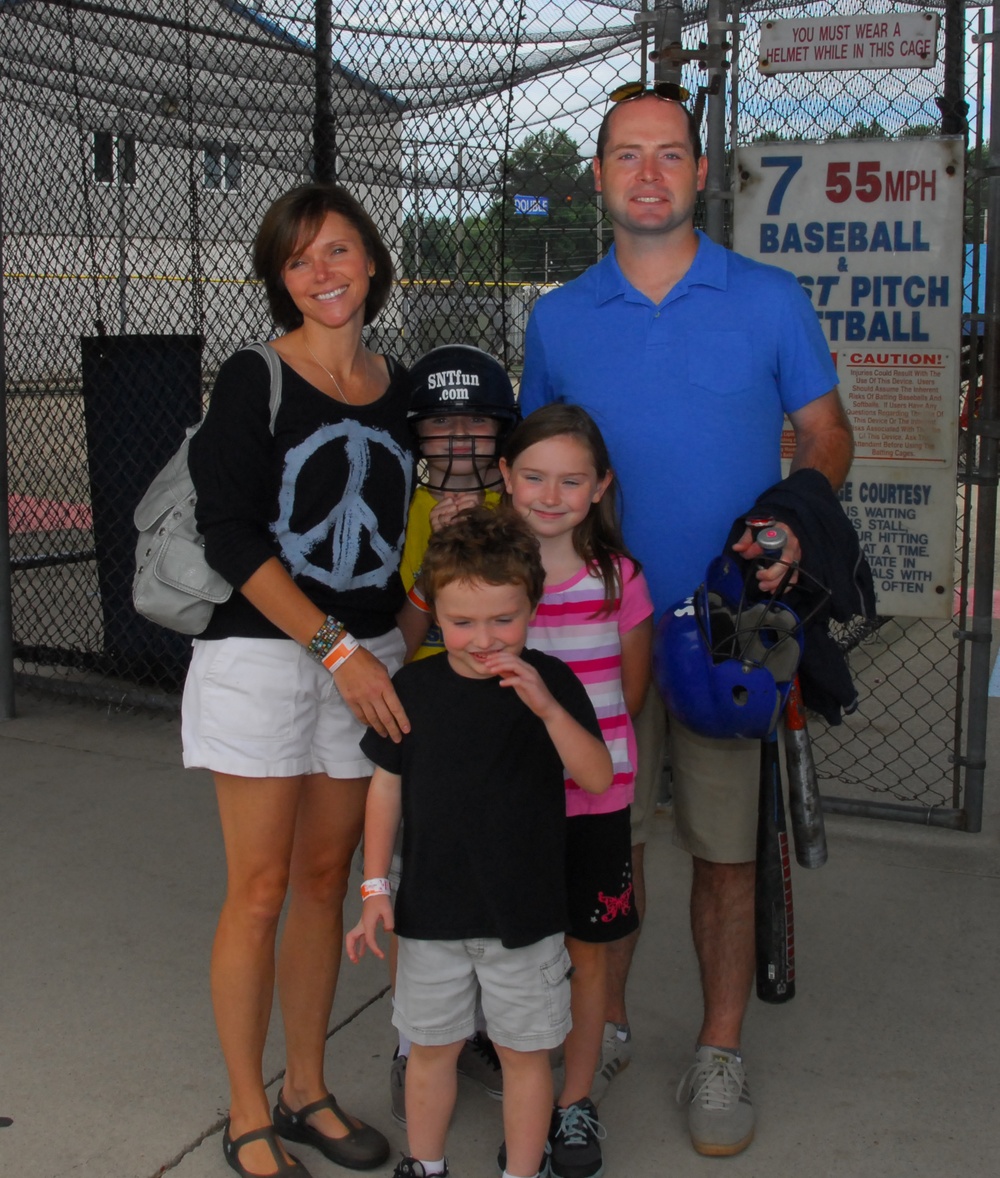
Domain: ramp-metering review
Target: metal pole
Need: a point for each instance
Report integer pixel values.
(459, 217)
(716, 187)
(324, 128)
(417, 213)
(943, 816)
(669, 24)
(6, 598)
(117, 165)
(987, 426)
(734, 79)
(951, 103)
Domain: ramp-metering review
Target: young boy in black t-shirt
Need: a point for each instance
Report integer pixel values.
(478, 782)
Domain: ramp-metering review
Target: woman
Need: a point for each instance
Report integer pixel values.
(308, 523)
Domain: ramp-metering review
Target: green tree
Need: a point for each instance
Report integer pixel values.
(563, 244)
(861, 130)
(428, 247)
(501, 244)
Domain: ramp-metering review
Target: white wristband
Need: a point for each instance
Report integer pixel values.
(374, 887)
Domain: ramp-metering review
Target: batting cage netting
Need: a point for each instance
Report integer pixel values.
(141, 143)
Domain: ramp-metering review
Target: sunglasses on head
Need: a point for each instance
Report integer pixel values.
(667, 90)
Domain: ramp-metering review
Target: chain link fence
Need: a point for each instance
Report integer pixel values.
(904, 745)
(140, 145)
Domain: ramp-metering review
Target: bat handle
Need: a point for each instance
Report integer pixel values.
(804, 803)
(773, 540)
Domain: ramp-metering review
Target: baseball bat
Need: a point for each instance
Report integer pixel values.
(804, 803)
(808, 830)
(774, 924)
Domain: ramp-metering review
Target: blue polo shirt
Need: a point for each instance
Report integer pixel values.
(690, 394)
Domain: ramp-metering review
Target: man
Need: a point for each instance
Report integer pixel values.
(688, 357)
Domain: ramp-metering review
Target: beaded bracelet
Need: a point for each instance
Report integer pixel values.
(325, 639)
(374, 887)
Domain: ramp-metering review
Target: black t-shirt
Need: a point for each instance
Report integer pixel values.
(484, 804)
(327, 494)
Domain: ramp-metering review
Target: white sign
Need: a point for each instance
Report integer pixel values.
(887, 41)
(532, 206)
(872, 229)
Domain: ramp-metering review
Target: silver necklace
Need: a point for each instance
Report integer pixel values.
(336, 383)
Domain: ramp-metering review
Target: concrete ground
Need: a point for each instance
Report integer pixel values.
(111, 875)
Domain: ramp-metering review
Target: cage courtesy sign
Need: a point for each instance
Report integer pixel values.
(872, 229)
(862, 42)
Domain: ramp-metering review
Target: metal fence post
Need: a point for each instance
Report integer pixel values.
(324, 128)
(716, 189)
(987, 426)
(670, 21)
(6, 603)
(952, 102)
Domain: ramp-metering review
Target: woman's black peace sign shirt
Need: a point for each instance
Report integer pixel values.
(328, 494)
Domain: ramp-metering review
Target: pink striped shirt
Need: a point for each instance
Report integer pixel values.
(570, 624)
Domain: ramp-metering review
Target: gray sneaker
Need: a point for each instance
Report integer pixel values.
(478, 1060)
(720, 1112)
(616, 1055)
(397, 1087)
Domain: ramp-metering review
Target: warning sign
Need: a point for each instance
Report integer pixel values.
(863, 42)
(873, 234)
(900, 403)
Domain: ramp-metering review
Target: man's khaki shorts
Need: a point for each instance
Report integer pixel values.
(715, 787)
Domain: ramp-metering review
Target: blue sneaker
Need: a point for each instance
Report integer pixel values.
(575, 1137)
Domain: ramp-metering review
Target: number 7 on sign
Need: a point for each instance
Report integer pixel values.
(791, 164)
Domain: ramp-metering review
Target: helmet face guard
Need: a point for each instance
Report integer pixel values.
(459, 381)
(724, 664)
(461, 462)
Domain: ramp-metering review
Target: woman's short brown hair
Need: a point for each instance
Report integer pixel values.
(494, 546)
(300, 213)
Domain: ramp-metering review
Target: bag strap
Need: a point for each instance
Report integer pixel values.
(273, 362)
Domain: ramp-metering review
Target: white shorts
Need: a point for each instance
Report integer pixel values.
(525, 992)
(261, 707)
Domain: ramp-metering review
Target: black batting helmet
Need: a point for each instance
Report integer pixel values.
(459, 379)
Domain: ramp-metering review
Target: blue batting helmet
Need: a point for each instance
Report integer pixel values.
(724, 665)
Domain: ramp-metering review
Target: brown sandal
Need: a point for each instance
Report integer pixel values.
(363, 1148)
(231, 1148)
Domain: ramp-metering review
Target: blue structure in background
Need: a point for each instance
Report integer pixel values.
(977, 254)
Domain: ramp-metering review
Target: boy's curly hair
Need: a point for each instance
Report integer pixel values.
(481, 544)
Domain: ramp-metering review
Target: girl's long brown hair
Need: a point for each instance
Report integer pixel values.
(598, 538)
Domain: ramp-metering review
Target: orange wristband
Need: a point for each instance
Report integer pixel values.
(339, 654)
(415, 597)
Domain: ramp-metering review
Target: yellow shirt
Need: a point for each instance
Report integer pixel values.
(418, 534)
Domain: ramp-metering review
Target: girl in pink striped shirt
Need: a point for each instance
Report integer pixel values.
(597, 616)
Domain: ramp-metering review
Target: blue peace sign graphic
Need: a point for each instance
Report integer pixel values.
(342, 531)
